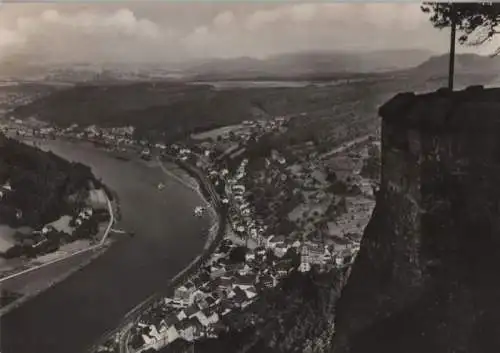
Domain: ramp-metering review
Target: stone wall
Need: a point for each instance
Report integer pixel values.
(426, 279)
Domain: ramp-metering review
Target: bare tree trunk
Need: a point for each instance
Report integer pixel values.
(451, 72)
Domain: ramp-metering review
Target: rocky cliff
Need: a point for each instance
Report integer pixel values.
(426, 278)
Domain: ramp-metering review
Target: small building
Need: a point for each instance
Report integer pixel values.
(184, 292)
(273, 241)
(217, 271)
(268, 281)
(311, 254)
(207, 317)
(280, 250)
(191, 311)
(249, 256)
(283, 268)
(189, 329)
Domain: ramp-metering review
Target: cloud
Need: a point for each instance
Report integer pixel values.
(303, 12)
(82, 35)
(224, 19)
(10, 38)
(100, 32)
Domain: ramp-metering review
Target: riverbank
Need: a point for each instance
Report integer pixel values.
(44, 272)
(217, 230)
(96, 298)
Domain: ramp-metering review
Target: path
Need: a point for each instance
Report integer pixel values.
(101, 243)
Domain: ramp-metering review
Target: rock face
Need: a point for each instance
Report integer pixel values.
(427, 278)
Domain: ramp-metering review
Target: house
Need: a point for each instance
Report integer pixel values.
(184, 292)
(211, 301)
(176, 303)
(191, 311)
(181, 315)
(172, 334)
(170, 320)
(207, 317)
(249, 256)
(217, 271)
(296, 244)
(238, 189)
(268, 281)
(280, 249)
(240, 298)
(235, 268)
(260, 251)
(312, 254)
(327, 257)
(274, 240)
(196, 296)
(283, 267)
(244, 282)
(148, 341)
(251, 292)
(244, 270)
(153, 332)
(225, 307)
(341, 244)
(224, 282)
(189, 329)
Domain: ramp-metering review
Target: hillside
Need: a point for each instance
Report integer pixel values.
(425, 279)
(172, 110)
(309, 64)
(43, 185)
(464, 63)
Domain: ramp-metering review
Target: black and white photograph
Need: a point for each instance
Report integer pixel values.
(280, 176)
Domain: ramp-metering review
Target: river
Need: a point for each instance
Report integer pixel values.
(72, 315)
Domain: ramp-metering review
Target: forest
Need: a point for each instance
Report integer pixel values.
(42, 185)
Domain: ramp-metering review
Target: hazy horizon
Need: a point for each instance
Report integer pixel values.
(154, 32)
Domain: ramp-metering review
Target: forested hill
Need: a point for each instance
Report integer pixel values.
(171, 108)
(37, 186)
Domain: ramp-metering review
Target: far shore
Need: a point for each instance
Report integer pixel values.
(31, 277)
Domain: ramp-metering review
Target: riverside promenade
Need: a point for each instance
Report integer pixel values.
(207, 190)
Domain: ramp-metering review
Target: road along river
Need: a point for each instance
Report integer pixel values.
(72, 315)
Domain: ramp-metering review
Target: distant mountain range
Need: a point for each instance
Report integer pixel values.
(464, 63)
(302, 65)
(310, 63)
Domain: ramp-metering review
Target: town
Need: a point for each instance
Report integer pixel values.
(290, 210)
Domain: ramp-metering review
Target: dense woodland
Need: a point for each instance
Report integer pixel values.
(44, 186)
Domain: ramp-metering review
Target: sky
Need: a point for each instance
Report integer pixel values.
(146, 31)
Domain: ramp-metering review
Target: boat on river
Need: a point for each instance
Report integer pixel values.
(198, 211)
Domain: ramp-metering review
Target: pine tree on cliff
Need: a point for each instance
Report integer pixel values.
(477, 24)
